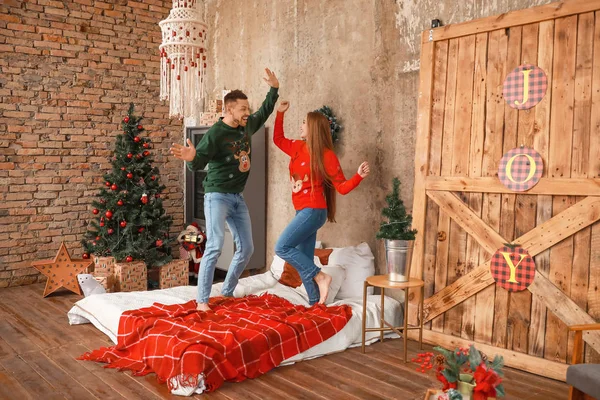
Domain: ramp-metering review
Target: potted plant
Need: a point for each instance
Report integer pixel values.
(470, 373)
(398, 236)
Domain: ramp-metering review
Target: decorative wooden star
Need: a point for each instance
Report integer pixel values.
(62, 271)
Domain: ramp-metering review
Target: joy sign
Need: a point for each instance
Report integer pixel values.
(520, 169)
(525, 86)
(512, 268)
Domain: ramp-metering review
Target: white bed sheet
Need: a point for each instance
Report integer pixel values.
(104, 311)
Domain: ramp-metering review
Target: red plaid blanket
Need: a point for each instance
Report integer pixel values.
(241, 338)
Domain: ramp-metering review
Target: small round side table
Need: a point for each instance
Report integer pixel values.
(383, 282)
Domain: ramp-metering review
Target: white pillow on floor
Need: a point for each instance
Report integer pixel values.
(359, 264)
(338, 275)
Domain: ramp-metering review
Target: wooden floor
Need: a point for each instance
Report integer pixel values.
(38, 350)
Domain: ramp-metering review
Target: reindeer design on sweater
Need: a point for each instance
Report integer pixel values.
(241, 151)
(297, 182)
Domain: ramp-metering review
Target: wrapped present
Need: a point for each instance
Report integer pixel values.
(215, 106)
(209, 118)
(174, 274)
(104, 267)
(131, 276)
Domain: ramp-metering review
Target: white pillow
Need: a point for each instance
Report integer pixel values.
(89, 285)
(338, 275)
(277, 267)
(359, 264)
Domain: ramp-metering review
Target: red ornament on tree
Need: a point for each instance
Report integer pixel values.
(144, 199)
(146, 153)
(122, 168)
(107, 184)
(110, 231)
(141, 229)
(101, 221)
(123, 224)
(139, 156)
(136, 139)
(129, 155)
(108, 214)
(146, 145)
(126, 119)
(120, 202)
(85, 256)
(95, 211)
(113, 187)
(159, 243)
(140, 127)
(129, 259)
(94, 243)
(129, 175)
(153, 177)
(97, 237)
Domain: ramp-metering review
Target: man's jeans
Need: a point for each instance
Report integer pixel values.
(296, 245)
(221, 208)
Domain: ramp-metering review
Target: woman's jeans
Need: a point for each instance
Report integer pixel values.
(221, 208)
(296, 245)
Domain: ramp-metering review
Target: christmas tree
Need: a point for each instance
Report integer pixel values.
(130, 222)
(333, 124)
(399, 222)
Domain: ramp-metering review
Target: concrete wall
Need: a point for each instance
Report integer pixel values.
(359, 57)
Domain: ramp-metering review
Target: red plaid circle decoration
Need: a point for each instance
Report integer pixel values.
(525, 86)
(512, 268)
(520, 169)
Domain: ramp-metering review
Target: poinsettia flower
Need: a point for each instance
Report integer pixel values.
(447, 385)
(486, 381)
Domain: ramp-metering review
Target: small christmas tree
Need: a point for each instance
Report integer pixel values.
(399, 222)
(333, 124)
(130, 222)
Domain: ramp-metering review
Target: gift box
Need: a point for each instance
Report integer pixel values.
(131, 277)
(174, 274)
(215, 106)
(104, 267)
(209, 118)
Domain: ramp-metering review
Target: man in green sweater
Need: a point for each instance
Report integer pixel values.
(227, 149)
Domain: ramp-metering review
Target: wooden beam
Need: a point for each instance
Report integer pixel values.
(546, 186)
(513, 359)
(422, 160)
(561, 226)
(564, 308)
(487, 238)
(514, 18)
(470, 284)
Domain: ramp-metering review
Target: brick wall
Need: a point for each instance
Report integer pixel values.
(68, 70)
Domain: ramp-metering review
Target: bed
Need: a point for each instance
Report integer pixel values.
(348, 266)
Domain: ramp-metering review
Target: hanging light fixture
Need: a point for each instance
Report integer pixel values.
(182, 58)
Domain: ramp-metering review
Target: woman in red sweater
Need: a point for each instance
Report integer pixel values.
(315, 175)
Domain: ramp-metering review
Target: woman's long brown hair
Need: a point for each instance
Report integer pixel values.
(318, 140)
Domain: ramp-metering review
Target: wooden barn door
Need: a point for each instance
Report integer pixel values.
(463, 212)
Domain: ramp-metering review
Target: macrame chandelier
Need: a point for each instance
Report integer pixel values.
(182, 58)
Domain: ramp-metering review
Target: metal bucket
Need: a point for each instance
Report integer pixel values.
(398, 255)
